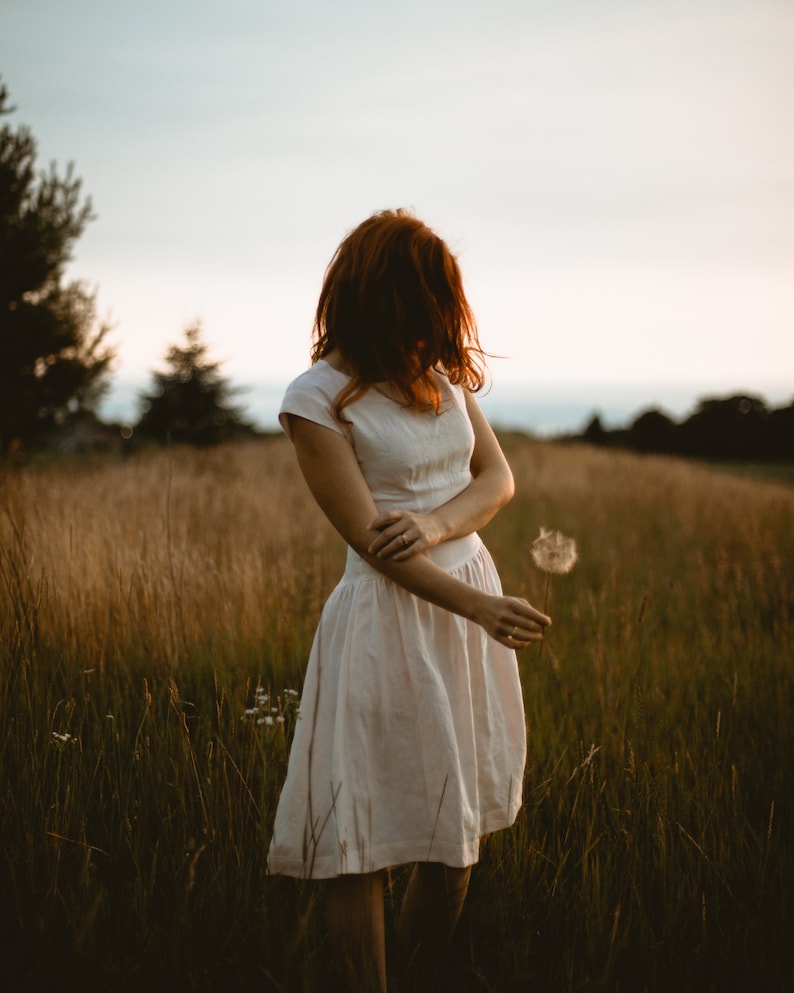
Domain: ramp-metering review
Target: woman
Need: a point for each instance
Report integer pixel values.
(411, 743)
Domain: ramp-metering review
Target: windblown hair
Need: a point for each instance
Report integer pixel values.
(393, 303)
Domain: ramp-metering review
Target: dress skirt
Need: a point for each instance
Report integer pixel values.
(411, 740)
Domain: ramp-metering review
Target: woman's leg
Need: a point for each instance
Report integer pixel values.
(430, 910)
(354, 911)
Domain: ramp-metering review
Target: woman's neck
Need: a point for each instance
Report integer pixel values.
(337, 361)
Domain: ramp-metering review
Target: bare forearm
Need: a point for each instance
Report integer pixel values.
(510, 620)
(422, 577)
(401, 533)
(476, 505)
(491, 486)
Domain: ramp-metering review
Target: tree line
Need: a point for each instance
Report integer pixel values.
(735, 427)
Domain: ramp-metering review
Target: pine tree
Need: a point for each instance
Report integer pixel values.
(54, 362)
(189, 403)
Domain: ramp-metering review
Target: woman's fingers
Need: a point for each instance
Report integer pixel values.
(387, 526)
(402, 546)
(524, 623)
(401, 534)
(523, 635)
(537, 617)
(383, 520)
(394, 540)
(521, 613)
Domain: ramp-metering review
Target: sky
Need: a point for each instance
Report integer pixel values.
(616, 177)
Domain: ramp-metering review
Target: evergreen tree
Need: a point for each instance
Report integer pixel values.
(189, 403)
(54, 363)
(594, 433)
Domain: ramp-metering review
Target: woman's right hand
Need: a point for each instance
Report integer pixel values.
(512, 621)
(403, 534)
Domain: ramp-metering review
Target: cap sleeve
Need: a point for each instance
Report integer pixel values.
(308, 396)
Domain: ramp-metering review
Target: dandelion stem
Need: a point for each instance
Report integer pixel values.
(545, 606)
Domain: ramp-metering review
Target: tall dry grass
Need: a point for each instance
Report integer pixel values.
(142, 601)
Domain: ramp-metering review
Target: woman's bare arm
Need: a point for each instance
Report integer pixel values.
(490, 489)
(329, 466)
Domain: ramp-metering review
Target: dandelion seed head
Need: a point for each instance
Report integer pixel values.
(554, 552)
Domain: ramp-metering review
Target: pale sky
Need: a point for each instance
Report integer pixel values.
(616, 176)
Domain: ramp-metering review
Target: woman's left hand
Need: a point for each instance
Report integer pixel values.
(403, 533)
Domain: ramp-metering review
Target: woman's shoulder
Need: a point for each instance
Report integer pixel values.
(312, 395)
(320, 375)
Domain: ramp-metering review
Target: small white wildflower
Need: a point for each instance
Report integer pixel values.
(268, 720)
(291, 692)
(280, 720)
(63, 737)
(260, 720)
(251, 711)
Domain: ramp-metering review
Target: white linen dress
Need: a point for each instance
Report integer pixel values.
(411, 740)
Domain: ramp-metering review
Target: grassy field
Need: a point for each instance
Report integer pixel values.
(143, 602)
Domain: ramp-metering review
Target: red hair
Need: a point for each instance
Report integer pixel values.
(393, 304)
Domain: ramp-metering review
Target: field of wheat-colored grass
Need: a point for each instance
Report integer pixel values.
(144, 601)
